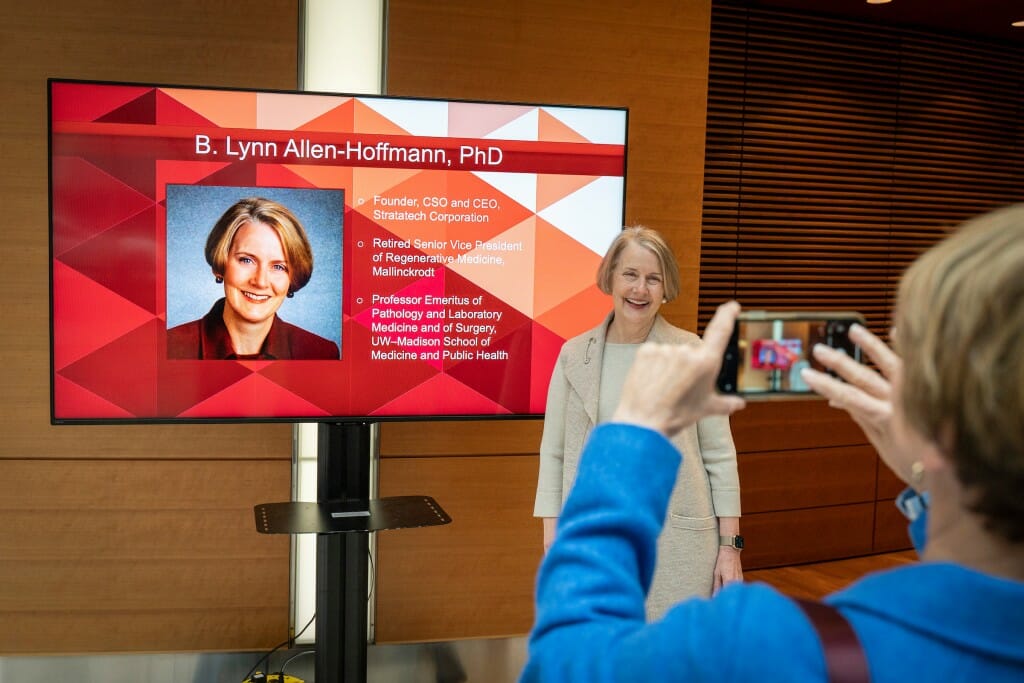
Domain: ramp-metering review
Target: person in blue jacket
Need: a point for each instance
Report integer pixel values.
(946, 414)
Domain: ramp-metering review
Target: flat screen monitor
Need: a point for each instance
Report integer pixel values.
(224, 254)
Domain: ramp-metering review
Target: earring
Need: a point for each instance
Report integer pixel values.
(291, 294)
(917, 474)
(218, 279)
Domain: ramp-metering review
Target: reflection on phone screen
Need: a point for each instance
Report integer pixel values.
(775, 354)
(771, 353)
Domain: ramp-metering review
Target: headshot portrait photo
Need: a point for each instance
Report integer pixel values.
(254, 273)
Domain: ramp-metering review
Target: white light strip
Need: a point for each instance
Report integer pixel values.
(342, 51)
(343, 48)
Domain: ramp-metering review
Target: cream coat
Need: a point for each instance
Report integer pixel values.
(707, 486)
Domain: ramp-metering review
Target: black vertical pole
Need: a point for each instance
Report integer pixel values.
(342, 567)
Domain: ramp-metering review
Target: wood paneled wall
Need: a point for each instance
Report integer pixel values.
(839, 150)
(141, 538)
(809, 488)
(132, 538)
(809, 493)
(474, 577)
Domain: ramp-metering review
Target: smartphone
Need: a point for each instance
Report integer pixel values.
(768, 349)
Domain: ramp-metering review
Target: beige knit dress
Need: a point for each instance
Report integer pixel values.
(584, 390)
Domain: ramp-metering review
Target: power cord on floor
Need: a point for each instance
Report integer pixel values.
(253, 677)
(281, 677)
(373, 575)
(292, 658)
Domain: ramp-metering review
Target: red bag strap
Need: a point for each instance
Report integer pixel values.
(844, 656)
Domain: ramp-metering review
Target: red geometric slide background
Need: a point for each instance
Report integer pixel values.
(556, 193)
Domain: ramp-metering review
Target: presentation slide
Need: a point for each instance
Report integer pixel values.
(451, 249)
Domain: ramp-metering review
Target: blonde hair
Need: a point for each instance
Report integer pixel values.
(960, 326)
(648, 239)
(297, 250)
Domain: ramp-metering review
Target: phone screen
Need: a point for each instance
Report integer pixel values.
(766, 355)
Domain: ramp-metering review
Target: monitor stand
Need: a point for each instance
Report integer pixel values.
(342, 518)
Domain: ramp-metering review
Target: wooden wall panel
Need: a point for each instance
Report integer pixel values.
(789, 425)
(890, 524)
(810, 535)
(184, 42)
(807, 478)
(126, 538)
(140, 555)
(473, 577)
(840, 142)
(890, 528)
(889, 485)
(496, 437)
(834, 142)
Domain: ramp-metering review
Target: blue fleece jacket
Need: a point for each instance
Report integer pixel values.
(926, 621)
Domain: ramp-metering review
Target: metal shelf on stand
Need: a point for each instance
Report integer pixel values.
(346, 516)
(342, 519)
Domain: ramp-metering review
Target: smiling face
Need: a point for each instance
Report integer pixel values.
(638, 287)
(256, 278)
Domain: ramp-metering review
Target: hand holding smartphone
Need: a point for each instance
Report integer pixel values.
(768, 349)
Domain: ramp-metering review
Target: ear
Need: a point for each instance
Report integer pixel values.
(931, 457)
(934, 455)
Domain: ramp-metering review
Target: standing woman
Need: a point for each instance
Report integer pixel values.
(699, 549)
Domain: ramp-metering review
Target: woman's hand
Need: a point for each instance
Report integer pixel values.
(671, 386)
(550, 525)
(728, 568)
(866, 395)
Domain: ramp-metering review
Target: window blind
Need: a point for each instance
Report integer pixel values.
(838, 150)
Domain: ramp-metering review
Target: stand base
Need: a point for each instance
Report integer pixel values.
(375, 514)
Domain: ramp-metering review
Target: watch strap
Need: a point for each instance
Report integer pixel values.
(731, 541)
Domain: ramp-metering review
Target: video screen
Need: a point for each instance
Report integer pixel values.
(775, 354)
(224, 255)
(772, 353)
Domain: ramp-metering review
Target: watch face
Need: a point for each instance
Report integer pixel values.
(737, 542)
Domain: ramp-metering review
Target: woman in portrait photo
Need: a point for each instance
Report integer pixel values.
(259, 251)
(699, 551)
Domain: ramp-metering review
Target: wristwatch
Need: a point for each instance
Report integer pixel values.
(731, 541)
